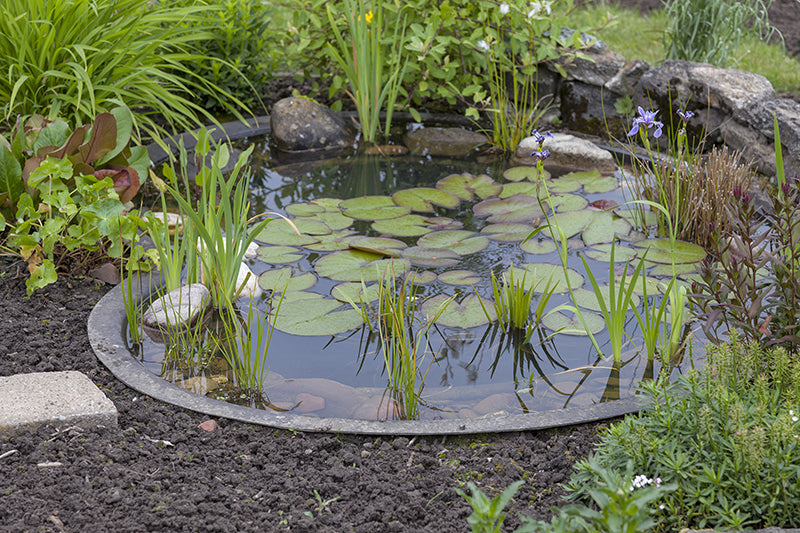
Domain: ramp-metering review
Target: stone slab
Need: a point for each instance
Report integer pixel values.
(55, 399)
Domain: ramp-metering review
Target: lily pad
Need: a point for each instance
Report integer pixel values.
(462, 242)
(467, 186)
(405, 226)
(283, 280)
(507, 232)
(572, 325)
(373, 208)
(602, 252)
(301, 317)
(355, 265)
(356, 292)
(588, 299)
(524, 187)
(431, 257)
(535, 246)
(332, 219)
(279, 254)
(304, 209)
(378, 245)
(338, 240)
(661, 251)
(562, 185)
(570, 222)
(604, 227)
(438, 223)
(633, 215)
(517, 208)
(330, 204)
(280, 232)
(467, 314)
(593, 181)
(459, 277)
(536, 276)
(421, 277)
(666, 269)
(569, 202)
(424, 198)
(525, 173)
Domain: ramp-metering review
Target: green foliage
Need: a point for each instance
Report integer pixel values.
(708, 31)
(238, 56)
(487, 515)
(728, 438)
(79, 58)
(442, 41)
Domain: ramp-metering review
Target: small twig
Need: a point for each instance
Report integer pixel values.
(8, 453)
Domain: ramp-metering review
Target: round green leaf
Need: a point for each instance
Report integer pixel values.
(467, 186)
(332, 219)
(355, 265)
(460, 241)
(459, 277)
(320, 317)
(661, 251)
(279, 254)
(426, 256)
(373, 208)
(507, 232)
(356, 292)
(604, 227)
(593, 181)
(572, 325)
(424, 198)
(602, 252)
(281, 232)
(338, 240)
(405, 226)
(588, 299)
(537, 276)
(378, 245)
(562, 185)
(535, 246)
(284, 280)
(517, 208)
(525, 173)
(421, 277)
(304, 209)
(467, 314)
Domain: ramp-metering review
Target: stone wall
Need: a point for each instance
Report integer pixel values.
(734, 107)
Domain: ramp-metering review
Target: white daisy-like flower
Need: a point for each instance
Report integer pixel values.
(504, 9)
(483, 45)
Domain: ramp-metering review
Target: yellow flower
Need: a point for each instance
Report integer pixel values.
(368, 17)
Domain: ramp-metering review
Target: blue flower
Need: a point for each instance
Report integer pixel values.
(540, 137)
(648, 120)
(685, 116)
(541, 155)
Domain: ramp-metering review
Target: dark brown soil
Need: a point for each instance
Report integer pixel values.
(239, 477)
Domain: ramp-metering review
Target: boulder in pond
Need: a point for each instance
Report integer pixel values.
(301, 125)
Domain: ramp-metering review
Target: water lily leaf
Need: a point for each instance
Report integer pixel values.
(562, 185)
(279, 254)
(654, 285)
(517, 208)
(421, 277)
(604, 227)
(467, 186)
(405, 226)
(280, 232)
(297, 317)
(378, 245)
(524, 187)
(570, 222)
(572, 325)
(593, 181)
(284, 280)
(437, 223)
(338, 240)
(536, 276)
(462, 242)
(569, 202)
(304, 209)
(459, 277)
(507, 232)
(535, 246)
(424, 198)
(356, 265)
(330, 204)
(373, 208)
(666, 269)
(632, 215)
(660, 251)
(525, 173)
(334, 220)
(356, 292)
(431, 257)
(602, 252)
(466, 314)
(588, 299)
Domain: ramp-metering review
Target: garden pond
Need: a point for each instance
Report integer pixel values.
(449, 225)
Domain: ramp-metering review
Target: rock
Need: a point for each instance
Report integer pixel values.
(566, 152)
(496, 403)
(251, 289)
(107, 273)
(600, 66)
(591, 109)
(178, 308)
(752, 145)
(198, 384)
(624, 81)
(448, 142)
(209, 425)
(308, 403)
(386, 150)
(300, 124)
(339, 399)
(379, 407)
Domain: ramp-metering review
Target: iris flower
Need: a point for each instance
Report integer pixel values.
(540, 137)
(541, 155)
(685, 116)
(648, 120)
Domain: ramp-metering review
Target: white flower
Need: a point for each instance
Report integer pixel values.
(537, 7)
(483, 45)
(794, 419)
(504, 8)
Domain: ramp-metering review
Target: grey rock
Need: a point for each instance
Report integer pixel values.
(590, 109)
(300, 124)
(567, 152)
(751, 144)
(624, 81)
(179, 307)
(448, 142)
(598, 68)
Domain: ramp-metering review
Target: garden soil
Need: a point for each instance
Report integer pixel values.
(159, 470)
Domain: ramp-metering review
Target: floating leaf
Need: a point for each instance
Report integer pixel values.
(604, 227)
(424, 198)
(602, 252)
(467, 186)
(459, 277)
(283, 280)
(666, 269)
(507, 232)
(460, 241)
(535, 246)
(570, 222)
(593, 181)
(279, 254)
(378, 245)
(405, 226)
(517, 208)
(437, 223)
(562, 185)
(525, 187)
(330, 204)
(356, 292)
(355, 265)
(467, 314)
(431, 257)
(316, 317)
(633, 215)
(338, 240)
(421, 277)
(332, 219)
(304, 209)
(561, 323)
(569, 202)
(280, 232)
(588, 299)
(536, 276)
(525, 173)
(373, 208)
(661, 251)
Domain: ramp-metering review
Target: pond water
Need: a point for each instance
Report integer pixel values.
(457, 222)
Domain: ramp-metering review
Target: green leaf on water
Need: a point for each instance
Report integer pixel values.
(593, 181)
(459, 277)
(438, 223)
(304, 209)
(355, 265)
(602, 252)
(525, 173)
(467, 186)
(356, 292)
(666, 269)
(373, 208)
(462, 242)
(285, 280)
(562, 185)
(405, 226)
(467, 314)
(536, 277)
(424, 198)
(426, 256)
(535, 246)
(338, 240)
(316, 317)
(507, 232)
(280, 232)
(523, 187)
(332, 219)
(517, 208)
(279, 254)
(604, 227)
(660, 251)
(569, 202)
(378, 245)
(572, 325)
(421, 277)
(588, 299)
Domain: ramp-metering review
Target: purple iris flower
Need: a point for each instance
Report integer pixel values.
(541, 155)
(685, 115)
(648, 120)
(540, 137)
